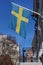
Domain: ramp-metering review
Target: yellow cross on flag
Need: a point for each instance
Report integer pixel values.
(20, 19)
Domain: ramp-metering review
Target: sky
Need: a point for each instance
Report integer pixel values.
(5, 18)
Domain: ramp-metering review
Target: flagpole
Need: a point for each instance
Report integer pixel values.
(27, 9)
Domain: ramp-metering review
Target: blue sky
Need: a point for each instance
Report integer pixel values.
(5, 18)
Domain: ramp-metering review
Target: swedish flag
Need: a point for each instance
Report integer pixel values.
(20, 19)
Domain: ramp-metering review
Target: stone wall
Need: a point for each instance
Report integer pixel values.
(9, 47)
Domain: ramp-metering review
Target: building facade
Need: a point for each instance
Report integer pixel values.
(38, 36)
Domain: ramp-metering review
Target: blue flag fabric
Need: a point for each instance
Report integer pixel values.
(20, 19)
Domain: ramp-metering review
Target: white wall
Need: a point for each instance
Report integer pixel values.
(32, 63)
